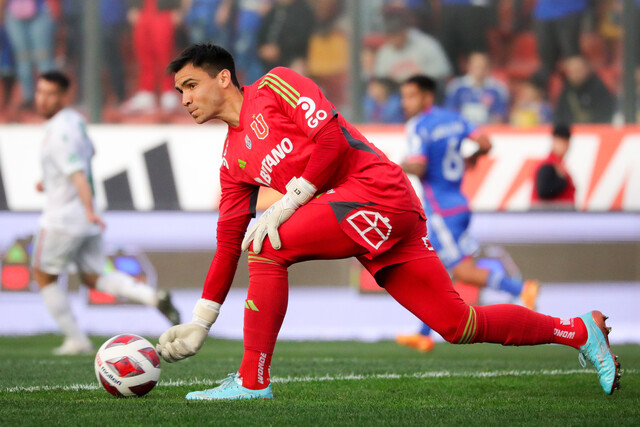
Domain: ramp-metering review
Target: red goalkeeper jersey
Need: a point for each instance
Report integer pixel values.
(281, 114)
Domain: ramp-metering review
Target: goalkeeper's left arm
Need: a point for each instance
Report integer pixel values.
(182, 341)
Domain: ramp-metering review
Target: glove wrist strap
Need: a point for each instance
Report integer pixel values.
(205, 313)
(300, 191)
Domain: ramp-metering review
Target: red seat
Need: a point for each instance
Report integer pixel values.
(594, 49)
(556, 83)
(523, 56)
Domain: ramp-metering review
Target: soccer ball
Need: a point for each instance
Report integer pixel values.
(127, 365)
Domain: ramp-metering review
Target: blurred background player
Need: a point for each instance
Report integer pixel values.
(70, 229)
(553, 186)
(435, 143)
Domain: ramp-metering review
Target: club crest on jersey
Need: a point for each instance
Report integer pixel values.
(260, 127)
(247, 142)
(371, 226)
(308, 105)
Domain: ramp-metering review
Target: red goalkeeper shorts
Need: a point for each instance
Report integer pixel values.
(341, 224)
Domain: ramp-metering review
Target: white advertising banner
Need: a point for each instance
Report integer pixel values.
(133, 159)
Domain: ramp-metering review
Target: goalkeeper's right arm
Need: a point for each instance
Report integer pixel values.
(182, 341)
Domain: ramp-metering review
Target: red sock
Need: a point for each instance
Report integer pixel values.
(424, 288)
(255, 370)
(570, 332)
(264, 312)
(509, 324)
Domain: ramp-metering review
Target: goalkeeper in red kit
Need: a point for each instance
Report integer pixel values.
(342, 198)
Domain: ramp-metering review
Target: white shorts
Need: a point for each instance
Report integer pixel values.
(54, 250)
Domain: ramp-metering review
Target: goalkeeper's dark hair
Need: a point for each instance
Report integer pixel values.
(57, 77)
(208, 56)
(425, 83)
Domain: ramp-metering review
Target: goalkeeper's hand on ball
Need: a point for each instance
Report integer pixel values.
(299, 192)
(182, 341)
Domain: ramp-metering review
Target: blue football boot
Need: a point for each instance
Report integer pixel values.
(231, 389)
(597, 351)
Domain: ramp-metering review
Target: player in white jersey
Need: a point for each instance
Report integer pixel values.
(70, 228)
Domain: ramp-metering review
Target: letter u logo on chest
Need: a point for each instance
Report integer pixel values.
(260, 127)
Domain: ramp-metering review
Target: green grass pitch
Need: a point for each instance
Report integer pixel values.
(328, 383)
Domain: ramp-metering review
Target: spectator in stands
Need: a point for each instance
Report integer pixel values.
(154, 23)
(200, 19)
(557, 27)
(610, 26)
(328, 61)
(584, 97)
(382, 102)
(113, 20)
(530, 108)
(249, 18)
(480, 98)
(30, 27)
(463, 28)
(552, 183)
(71, 16)
(408, 51)
(283, 37)
(6, 68)
(421, 13)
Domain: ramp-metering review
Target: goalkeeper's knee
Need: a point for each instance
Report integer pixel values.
(270, 256)
(462, 330)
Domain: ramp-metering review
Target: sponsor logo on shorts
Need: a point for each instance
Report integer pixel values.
(371, 226)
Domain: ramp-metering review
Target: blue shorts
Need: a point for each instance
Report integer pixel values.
(450, 238)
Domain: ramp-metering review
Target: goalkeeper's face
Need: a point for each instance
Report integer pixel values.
(203, 95)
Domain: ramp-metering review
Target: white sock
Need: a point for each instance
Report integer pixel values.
(57, 303)
(124, 286)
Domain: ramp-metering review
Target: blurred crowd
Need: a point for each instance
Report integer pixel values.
(524, 62)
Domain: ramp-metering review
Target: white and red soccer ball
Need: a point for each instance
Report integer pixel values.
(127, 365)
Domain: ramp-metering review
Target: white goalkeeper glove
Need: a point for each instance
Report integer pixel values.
(182, 341)
(299, 192)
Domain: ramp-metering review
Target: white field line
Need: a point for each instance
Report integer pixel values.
(350, 377)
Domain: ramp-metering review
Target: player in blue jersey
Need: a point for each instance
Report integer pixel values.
(436, 138)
